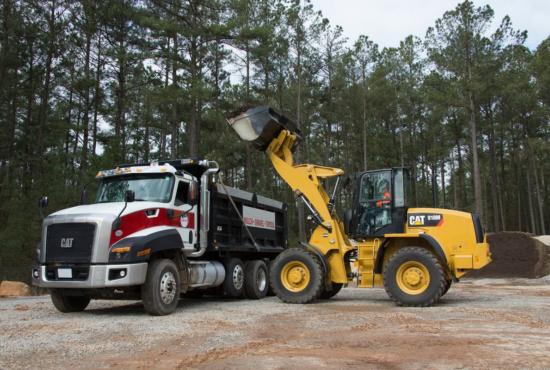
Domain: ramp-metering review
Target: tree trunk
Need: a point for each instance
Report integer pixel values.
(174, 126)
(96, 95)
(86, 117)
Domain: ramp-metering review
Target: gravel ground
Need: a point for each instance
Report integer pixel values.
(478, 324)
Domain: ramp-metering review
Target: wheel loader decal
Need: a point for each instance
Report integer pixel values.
(425, 219)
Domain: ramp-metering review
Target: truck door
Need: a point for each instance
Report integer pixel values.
(186, 204)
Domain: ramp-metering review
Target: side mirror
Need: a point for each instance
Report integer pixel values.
(84, 197)
(43, 202)
(129, 196)
(186, 208)
(192, 196)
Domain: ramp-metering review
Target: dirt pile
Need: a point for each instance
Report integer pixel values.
(14, 289)
(515, 254)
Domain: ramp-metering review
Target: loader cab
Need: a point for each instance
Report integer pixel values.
(380, 203)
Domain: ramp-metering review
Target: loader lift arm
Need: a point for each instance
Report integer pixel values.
(328, 237)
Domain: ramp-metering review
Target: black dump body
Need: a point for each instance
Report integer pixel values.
(266, 220)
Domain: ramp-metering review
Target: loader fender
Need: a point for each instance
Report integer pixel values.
(428, 238)
(322, 260)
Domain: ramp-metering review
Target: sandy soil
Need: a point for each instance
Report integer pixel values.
(478, 324)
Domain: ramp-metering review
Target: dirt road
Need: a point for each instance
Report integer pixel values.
(478, 324)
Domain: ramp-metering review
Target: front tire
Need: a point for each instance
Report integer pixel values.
(448, 284)
(414, 277)
(161, 290)
(296, 276)
(328, 294)
(68, 303)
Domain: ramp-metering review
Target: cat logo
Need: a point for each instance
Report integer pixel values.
(425, 219)
(66, 242)
(416, 220)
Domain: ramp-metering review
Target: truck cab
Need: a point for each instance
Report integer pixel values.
(159, 211)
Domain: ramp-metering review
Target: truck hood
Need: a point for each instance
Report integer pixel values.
(113, 208)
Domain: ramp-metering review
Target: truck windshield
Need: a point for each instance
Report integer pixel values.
(149, 187)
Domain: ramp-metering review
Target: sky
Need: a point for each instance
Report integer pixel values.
(387, 22)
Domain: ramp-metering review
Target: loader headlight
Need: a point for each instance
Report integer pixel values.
(35, 273)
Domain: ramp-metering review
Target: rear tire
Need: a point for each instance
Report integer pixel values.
(328, 294)
(68, 303)
(161, 290)
(233, 284)
(296, 276)
(256, 280)
(414, 277)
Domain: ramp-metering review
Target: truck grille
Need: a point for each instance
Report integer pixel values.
(70, 242)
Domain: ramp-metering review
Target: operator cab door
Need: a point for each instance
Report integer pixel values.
(380, 203)
(186, 207)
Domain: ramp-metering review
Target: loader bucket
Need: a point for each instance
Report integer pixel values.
(260, 125)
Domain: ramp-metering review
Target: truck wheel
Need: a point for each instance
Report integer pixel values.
(414, 277)
(161, 290)
(68, 303)
(233, 285)
(296, 276)
(256, 282)
(328, 294)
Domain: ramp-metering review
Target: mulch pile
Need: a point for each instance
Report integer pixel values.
(515, 254)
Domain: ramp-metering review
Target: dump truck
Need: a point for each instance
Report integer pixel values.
(155, 231)
(414, 253)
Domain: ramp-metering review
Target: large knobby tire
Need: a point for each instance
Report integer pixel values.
(448, 283)
(68, 303)
(414, 277)
(296, 276)
(256, 281)
(335, 289)
(161, 291)
(233, 285)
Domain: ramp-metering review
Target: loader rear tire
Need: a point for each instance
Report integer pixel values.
(328, 294)
(414, 277)
(296, 276)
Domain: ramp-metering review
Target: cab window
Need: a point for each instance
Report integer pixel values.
(182, 194)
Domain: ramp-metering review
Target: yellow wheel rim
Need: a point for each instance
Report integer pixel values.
(413, 277)
(295, 276)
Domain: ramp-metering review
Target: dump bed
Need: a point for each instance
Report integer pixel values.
(265, 218)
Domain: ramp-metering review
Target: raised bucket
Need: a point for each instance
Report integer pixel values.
(260, 125)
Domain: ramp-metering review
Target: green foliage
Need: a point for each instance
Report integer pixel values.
(86, 85)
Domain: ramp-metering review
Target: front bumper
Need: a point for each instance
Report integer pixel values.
(99, 276)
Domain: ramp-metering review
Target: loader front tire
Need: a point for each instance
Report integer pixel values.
(328, 294)
(414, 277)
(296, 276)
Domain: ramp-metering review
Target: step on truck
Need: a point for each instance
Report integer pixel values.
(157, 231)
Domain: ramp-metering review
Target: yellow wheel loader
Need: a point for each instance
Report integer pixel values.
(414, 253)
